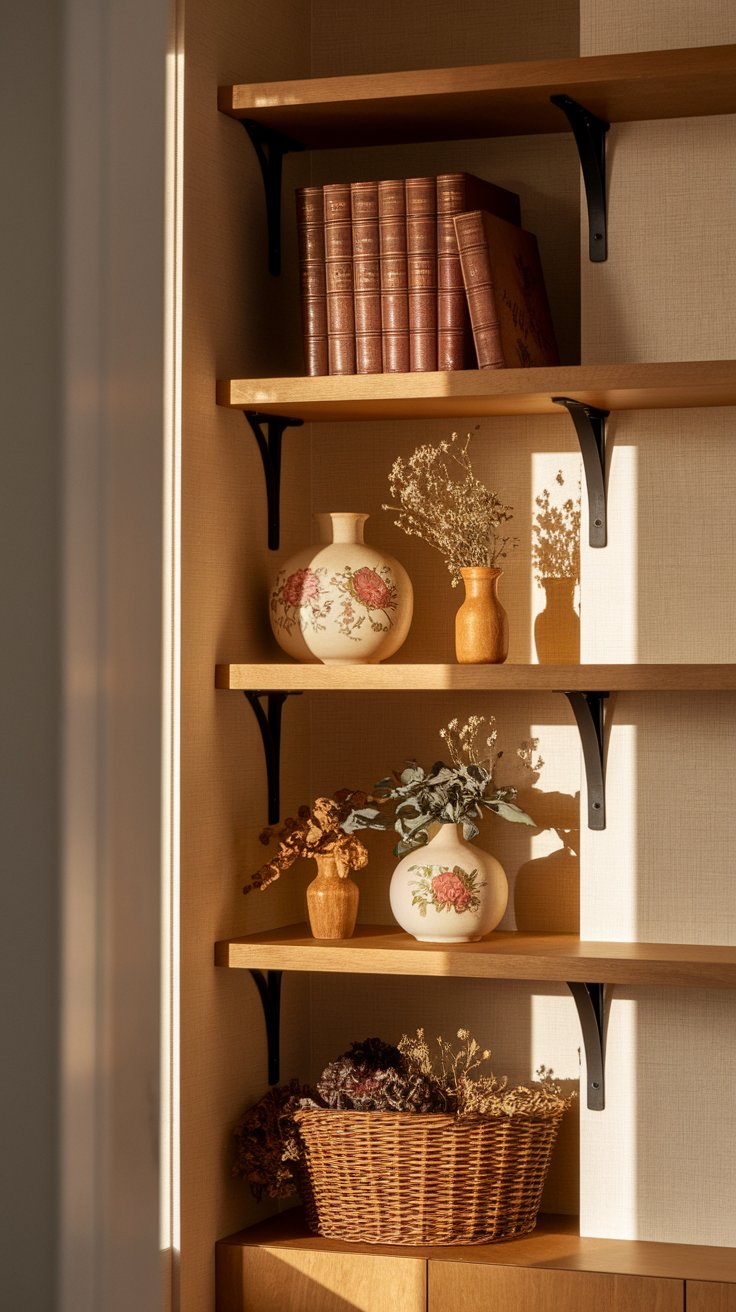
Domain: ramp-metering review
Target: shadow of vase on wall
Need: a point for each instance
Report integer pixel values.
(557, 627)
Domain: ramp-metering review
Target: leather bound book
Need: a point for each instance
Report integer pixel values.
(311, 237)
(339, 278)
(457, 193)
(366, 277)
(394, 276)
(507, 298)
(421, 252)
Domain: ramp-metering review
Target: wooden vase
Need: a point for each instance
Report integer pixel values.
(332, 901)
(481, 624)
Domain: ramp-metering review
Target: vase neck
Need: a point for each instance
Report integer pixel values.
(480, 580)
(326, 865)
(341, 526)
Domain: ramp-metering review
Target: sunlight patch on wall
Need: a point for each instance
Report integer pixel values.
(609, 575)
(608, 1185)
(608, 890)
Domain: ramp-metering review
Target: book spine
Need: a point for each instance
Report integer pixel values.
(339, 278)
(394, 276)
(311, 238)
(454, 337)
(421, 250)
(476, 272)
(366, 277)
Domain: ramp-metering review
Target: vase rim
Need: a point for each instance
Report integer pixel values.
(488, 571)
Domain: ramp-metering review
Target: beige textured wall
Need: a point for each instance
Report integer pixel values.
(659, 1162)
(237, 321)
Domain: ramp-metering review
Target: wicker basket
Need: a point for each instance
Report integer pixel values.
(414, 1178)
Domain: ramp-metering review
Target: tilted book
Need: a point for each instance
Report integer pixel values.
(507, 298)
(456, 194)
(311, 238)
(339, 278)
(394, 275)
(366, 277)
(421, 255)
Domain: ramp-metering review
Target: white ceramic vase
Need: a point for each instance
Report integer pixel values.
(341, 601)
(448, 891)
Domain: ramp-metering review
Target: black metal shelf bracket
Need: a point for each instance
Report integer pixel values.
(590, 138)
(269, 723)
(268, 983)
(588, 709)
(269, 445)
(270, 147)
(590, 426)
(590, 1000)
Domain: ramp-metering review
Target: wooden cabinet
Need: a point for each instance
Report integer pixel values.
(455, 1287)
(710, 1296)
(264, 1279)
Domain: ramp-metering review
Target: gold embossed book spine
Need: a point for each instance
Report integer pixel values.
(339, 278)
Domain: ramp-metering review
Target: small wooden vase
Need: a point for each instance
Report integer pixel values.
(481, 624)
(332, 901)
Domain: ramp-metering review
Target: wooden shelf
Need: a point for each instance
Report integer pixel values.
(476, 678)
(442, 104)
(555, 1244)
(563, 958)
(477, 393)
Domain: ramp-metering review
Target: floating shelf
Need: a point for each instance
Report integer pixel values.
(488, 100)
(485, 392)
(477, 678)
(560, 958)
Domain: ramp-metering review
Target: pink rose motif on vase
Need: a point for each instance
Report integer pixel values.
(455, 890)
(450, 890)
(301, 587)
(371, 589)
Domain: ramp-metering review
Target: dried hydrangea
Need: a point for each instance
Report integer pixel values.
(326, 828)
(263, 1136)
(372, 1076)
(441, 501)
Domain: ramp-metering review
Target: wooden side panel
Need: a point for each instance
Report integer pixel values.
(710, 1296)
(455, 1287)
(252, 1279)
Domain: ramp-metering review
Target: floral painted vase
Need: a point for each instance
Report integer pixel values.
(341, 601)
(448, 891)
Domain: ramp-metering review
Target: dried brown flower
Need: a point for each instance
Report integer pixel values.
(327, 827)
(262, 1136)
(556, 537)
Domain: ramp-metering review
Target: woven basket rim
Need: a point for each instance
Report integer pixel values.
(475, 1119)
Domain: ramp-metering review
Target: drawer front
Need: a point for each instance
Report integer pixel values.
(253, 1279)
(710, 1296)
(458, 1287)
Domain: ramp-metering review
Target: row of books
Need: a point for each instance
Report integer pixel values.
(417, 274)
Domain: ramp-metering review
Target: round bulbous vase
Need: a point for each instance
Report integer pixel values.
(557, 627)
(481, 624)
(341, 601)
(332, 901)
(449, 891)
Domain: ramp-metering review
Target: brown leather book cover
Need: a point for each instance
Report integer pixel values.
(366, 277)
(311, 238)
(456, 194)
(507, 298)
(394, 275)
(339, 278)
(421, 249)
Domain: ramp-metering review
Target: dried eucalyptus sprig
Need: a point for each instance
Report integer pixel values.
(441, 501)
(458, 793)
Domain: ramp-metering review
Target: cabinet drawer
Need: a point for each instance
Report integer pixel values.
(456, 1287)
(261, 1279)
(710, 1296)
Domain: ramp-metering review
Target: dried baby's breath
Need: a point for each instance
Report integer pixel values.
(441, 501)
